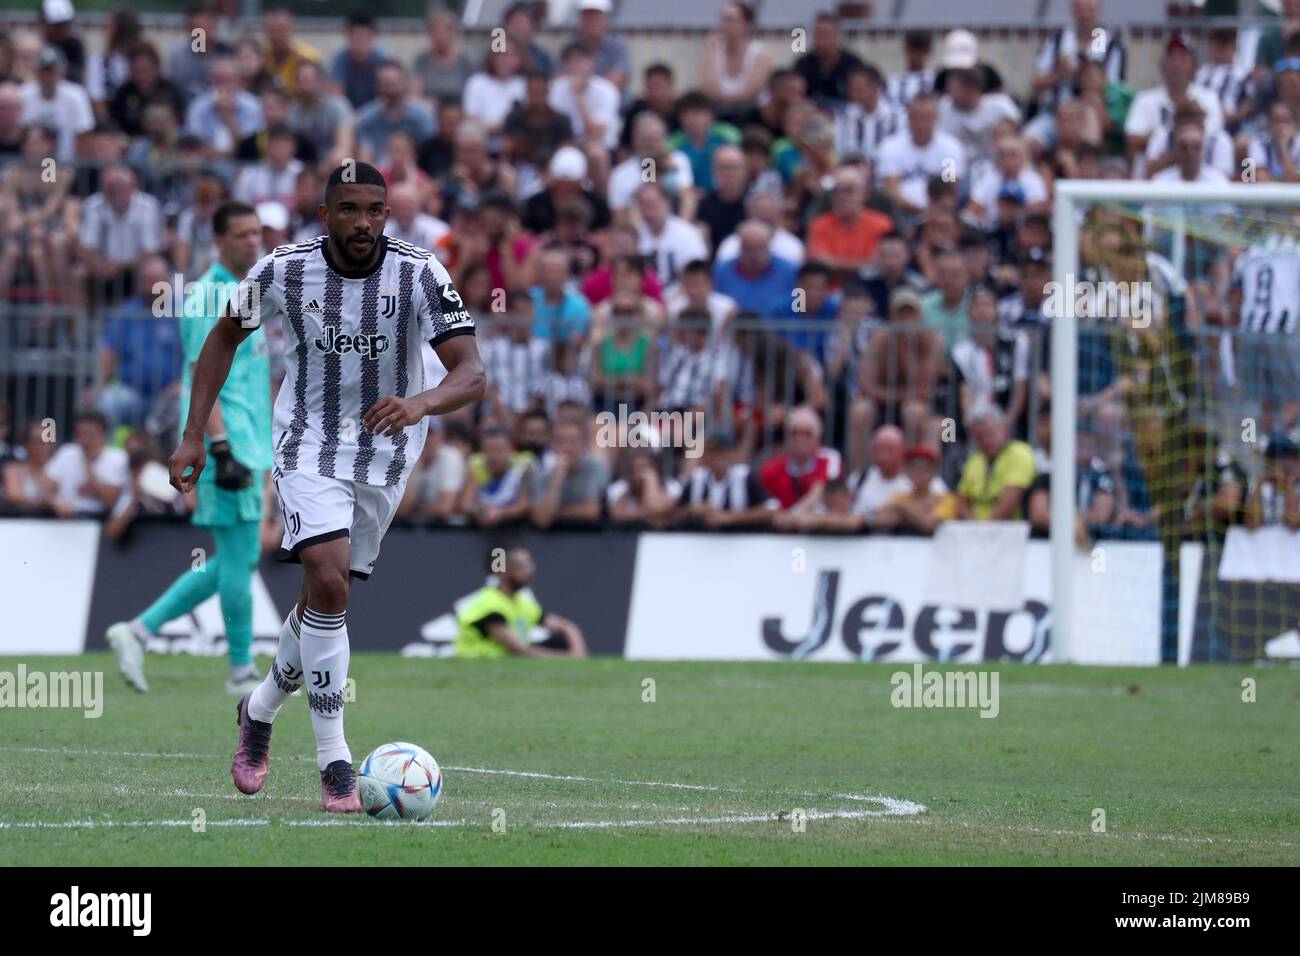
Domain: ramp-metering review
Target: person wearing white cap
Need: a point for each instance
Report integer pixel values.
(274, 218)
(613, 62)
(565, 180)
(53, 101)
(960, 50)
(56, 29)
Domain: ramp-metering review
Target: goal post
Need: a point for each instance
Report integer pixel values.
(1224, 218)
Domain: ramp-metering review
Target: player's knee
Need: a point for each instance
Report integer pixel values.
(327, 589)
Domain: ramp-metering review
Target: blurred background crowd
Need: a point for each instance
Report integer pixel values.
(840, 269)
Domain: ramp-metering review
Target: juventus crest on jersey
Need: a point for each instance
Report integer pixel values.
(350, 341)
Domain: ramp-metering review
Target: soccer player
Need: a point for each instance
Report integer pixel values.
(355, 306)
(1266, 293)
(237, 432)
(497, 620)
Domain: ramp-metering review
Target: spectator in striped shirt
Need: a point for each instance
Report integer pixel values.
(1231, 84)
(1275, 153)
(515, 359)
(868, 116)
(687, 372)
(915, 77)
(567, 381)
(723, 491)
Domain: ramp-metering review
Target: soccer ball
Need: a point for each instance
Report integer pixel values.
(399, 781)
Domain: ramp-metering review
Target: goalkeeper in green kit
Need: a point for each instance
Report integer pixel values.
(229, 495)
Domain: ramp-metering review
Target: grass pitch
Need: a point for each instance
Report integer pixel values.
(576, 767)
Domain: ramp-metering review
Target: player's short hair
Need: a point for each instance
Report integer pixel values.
(576, 48)
(813, 267)
(228, 211)
(94, 417)
(1038, 220)
(697, 267)
(360, 174)
(868, 70)
(836, 486)
(458, 429)
(694, 100)
(755, 139)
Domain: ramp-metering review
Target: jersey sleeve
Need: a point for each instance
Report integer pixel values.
(439, 307)
(258, 298)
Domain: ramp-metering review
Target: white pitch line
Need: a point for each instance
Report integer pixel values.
(526, 774)
(893, 808)
(107, 753)
(578, 779)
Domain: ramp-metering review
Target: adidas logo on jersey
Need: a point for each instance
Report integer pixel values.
(340, 343)
(313, 308)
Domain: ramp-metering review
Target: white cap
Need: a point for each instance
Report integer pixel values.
(602, 5)
(960, 50)
(569, 164)
(273, 215)
(57, 11)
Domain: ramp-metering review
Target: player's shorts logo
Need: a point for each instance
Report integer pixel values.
(340, 343)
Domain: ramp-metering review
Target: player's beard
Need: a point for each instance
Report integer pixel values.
(348, 256)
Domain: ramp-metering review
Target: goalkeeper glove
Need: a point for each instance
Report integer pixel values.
(231, 475)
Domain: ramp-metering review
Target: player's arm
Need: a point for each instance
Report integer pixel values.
(465, 382)
(497, 629)
(210, 373)
(571, 633)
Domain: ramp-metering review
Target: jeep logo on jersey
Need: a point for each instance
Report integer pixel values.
(340, 343)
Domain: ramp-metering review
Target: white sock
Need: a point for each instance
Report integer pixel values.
(285, 675)
(140, 632)
(325, 656)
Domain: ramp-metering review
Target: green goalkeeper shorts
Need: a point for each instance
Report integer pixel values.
(221, 507)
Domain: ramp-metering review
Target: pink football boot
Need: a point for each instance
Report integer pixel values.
(253, 755)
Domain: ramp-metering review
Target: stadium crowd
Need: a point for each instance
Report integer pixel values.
(842, 272)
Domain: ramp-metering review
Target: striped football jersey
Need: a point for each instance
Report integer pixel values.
(350, 341)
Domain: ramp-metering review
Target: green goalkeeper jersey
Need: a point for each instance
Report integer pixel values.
(246, 396)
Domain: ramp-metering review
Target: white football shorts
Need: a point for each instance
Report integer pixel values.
(318, 509)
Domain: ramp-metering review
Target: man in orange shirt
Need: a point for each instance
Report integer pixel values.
(845, 237)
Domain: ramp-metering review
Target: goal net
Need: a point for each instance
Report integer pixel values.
(1174, 389)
